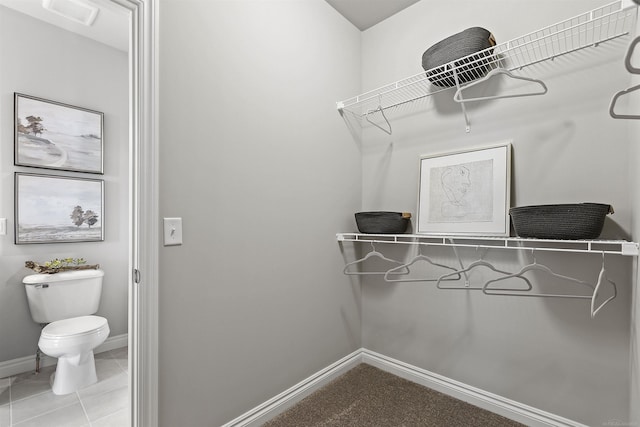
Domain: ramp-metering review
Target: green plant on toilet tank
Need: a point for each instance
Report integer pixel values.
(80, 216)
(57, 265)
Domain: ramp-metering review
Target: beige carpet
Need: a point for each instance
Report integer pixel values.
(367, 396)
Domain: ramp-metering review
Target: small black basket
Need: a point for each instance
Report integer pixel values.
(382, 222)
(564, 222)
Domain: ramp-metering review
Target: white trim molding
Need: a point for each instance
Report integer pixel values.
(285, 400)
(28, 363)
(143, 282)
(497, 404)
(491, 402)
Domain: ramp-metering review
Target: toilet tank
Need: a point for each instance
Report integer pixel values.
(63, 295)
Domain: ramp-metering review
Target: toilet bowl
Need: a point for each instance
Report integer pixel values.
(72, 341)
(66, 303)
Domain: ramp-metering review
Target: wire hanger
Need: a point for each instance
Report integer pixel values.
(612, 105)
(627, 58)
(535, 266)
(457, 97)
(602, 279)
(372, 254)
(419, 257)
(478, 263)
(632, 70)
(384, 116)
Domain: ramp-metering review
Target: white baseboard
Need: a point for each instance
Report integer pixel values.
(28, 363)
(112, 343)
(275, 406)
(497, 404)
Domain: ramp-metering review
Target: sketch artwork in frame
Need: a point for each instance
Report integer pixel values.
(465, 193)
(53, 135)
(58, 209)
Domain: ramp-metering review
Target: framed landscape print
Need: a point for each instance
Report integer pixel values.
(465, 193)
(53, 135)
(58, 209)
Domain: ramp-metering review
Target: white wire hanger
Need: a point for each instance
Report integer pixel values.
(372, 254)
(535, 266)
(632, 70)
(457, 97)
(420, 257)
(602, 279)
(478, 263)
(384, 116)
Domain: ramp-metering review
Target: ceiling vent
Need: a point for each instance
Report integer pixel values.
(75, 10)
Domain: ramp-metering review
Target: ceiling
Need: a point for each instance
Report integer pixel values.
(111, 26)
(367, 13)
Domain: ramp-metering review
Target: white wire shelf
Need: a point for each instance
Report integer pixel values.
(588, 29)
(614, 247)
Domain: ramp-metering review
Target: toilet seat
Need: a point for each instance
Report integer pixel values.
(74, 327)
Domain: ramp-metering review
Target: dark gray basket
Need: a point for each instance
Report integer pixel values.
(475, 40)
(382, 222)
(565, 221)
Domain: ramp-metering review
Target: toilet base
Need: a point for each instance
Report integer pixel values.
(73, 373)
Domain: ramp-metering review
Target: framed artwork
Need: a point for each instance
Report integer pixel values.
(53, 135)
(58, 209)
(466, 192)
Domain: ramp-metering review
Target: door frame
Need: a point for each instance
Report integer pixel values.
(143, 222)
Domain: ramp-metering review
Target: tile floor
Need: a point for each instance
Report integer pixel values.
(26, 399)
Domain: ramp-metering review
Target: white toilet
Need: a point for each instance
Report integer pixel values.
(65, 302)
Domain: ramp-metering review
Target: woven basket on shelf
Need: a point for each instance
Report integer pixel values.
(382, 222)
(474, 41)
(564, 221)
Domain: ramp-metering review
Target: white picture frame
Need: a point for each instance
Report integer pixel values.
(465, 192)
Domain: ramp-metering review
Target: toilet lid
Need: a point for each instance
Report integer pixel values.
(74, 326)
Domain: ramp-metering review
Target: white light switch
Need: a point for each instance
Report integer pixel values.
(3, 226)
(172, 231)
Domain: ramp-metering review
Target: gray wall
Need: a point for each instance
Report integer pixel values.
(635, 322)
(258, 163)
(263, 172)
(634, 177)
(545, 353)
(45, 61)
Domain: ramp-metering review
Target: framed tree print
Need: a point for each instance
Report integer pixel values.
(53, 135)
(58, 209)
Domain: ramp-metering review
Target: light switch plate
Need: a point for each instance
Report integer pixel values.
(172, 231)
(3, 226)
